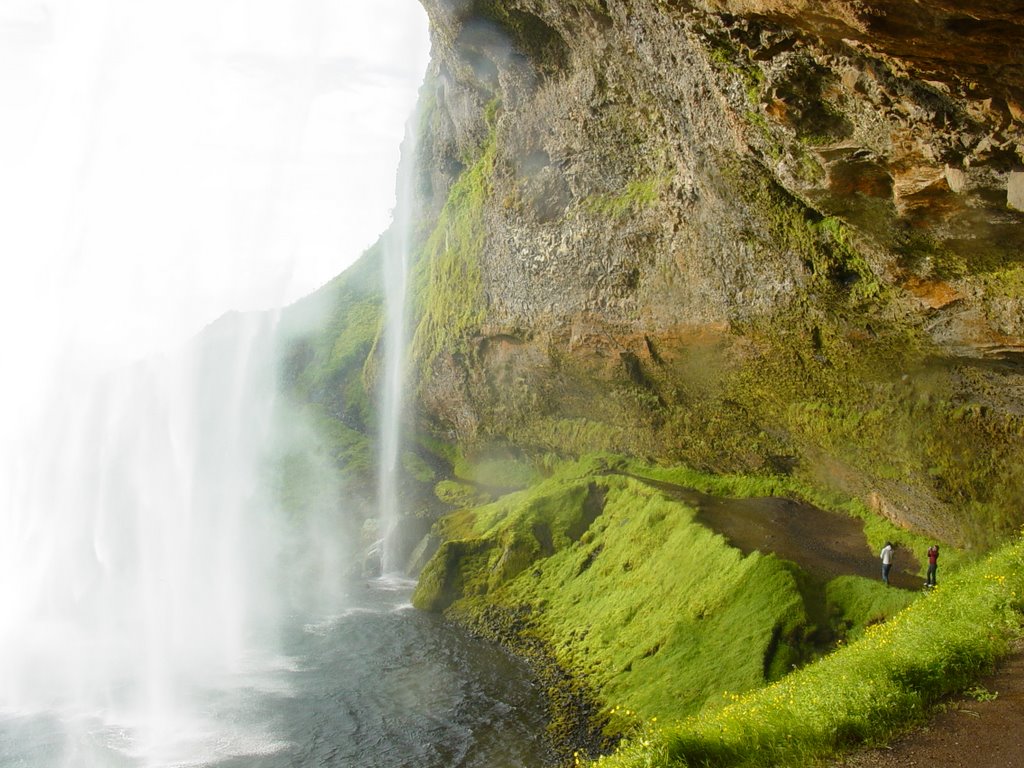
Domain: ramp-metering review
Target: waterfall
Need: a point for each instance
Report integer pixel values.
(143, 556)
(396, 269)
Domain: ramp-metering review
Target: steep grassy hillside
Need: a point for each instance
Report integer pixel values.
(656, 614)
(862, 693)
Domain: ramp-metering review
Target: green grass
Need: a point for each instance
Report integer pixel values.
(855, 604)
(701, 655)
(656, 613)
(864, 692)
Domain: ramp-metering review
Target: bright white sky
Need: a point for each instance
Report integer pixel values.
(163, 161)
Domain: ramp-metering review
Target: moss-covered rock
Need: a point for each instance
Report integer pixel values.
(630, 594)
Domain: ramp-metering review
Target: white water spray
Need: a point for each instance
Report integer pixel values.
(396, 269)
(144, 561)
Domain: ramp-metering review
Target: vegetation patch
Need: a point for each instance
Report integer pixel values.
(460, 495)
(856, 604)
(446, 278)
(864, 692)
(653, 612)
(656, 612)
(328, 342)
(784, 223)
(634, 197)
(497, 467)
(896, 419)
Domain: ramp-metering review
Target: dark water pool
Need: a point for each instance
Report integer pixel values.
(379, 685)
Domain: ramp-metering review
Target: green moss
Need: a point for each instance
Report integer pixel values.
(1004, 283)
(654, 611)
(635, 196)
(505, 473)
(460, 495)
(657, 612)
(901, 428)
(768, 140)
(730, 57)
(447, 292)
(784, 223)
(574, 437)
(442, 450)
(855, 603)
(447, 576)
(328, 339)
(416, 468)
(499, 473)
(507, 535)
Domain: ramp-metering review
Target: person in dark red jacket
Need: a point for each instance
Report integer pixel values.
(933, 560)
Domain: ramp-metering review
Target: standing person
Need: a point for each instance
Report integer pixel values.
(933, 561)
(887, 551)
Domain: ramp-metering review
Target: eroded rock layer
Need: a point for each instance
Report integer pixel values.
(747, 236)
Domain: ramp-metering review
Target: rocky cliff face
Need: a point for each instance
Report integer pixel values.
(755, 236)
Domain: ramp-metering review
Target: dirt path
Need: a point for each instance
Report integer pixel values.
(967, 734)
(825, 544)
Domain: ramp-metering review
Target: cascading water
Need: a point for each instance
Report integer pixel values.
(143, 557)
(161, 609)
(396, 269)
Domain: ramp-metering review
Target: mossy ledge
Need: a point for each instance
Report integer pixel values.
(629, 609)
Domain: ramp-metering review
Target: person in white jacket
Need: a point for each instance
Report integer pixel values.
(887, 551)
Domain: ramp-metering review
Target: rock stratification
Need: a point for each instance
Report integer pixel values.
(748, 236)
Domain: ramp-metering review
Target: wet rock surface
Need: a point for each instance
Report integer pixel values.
(831, 192)
(614, 121)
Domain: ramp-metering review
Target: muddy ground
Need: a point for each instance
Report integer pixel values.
(824, 544)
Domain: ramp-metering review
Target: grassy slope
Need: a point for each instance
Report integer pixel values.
(864, 692)
(655, 612)
(651, 604)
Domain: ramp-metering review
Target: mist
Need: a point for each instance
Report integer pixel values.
(166, 162)
(174, 173)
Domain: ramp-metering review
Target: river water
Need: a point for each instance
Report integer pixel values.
(377, 685)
